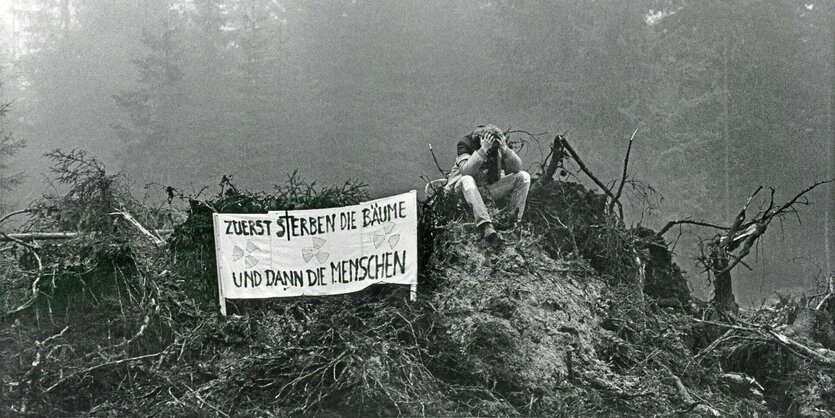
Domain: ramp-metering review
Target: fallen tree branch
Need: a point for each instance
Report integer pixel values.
(686, 398)
(37, 236)
(157, 241)
(20, 238)
(792, 345)
(724, 337)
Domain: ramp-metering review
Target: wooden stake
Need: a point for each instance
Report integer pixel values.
(220, 295)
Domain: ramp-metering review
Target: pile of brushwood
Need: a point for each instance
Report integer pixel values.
(573, 314)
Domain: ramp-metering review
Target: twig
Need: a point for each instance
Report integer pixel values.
(714, 344)
(17, 212)
(58, 335)
(200, 398)
(799, 195)
(128, 217)
(99, 366)
(686, 398)
(444, 173)
(522, 131)
(625, 167)
(688, 222)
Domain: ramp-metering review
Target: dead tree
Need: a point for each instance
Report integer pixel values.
(728, 248)
(555, 160)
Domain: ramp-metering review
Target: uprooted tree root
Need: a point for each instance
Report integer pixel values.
(559, 319)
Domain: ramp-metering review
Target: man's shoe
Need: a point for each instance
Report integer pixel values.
(489, 233)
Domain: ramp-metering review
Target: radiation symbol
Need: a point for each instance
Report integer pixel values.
(239, 253)
(315, 251)
(385, 234)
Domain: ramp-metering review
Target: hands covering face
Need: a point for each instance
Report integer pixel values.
(501, 142)
(491, 141)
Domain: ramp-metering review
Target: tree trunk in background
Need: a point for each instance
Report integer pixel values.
(723, 293)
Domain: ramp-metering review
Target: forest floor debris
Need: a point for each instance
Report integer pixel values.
(573, 314)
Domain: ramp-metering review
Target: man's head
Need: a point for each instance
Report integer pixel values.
(485, 130)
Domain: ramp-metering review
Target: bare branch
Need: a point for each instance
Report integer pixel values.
(157, 241)
(588, 172)
(798, 196)
(444, 173)
(17, 212)
(99, 366)
(625, 168)
(687, 222)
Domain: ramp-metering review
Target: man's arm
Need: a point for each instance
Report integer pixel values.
(512, 163)
(470, 159)
(469, 166)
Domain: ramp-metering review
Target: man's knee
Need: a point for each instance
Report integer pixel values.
(468, 183)
(522, 177)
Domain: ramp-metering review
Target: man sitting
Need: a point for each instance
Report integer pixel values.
(486, 164)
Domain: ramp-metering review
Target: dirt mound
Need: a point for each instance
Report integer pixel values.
(525, 325)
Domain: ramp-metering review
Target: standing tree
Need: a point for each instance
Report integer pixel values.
(8, 147)
(153, 109)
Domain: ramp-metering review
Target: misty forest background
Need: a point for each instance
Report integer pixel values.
(726, 96)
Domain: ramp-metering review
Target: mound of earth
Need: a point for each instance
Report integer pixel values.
(526, 325)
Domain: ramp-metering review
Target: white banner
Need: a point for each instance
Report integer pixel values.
(318, 251)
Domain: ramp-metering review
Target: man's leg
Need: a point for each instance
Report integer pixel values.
(466, 186)
(472, 195)
(514, 187)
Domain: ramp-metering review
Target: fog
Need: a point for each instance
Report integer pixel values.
(726, 96)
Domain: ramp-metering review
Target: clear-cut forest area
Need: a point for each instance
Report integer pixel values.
(676, 255)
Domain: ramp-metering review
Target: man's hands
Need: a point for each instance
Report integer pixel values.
(487, 143)
(491, 141)
(501, 142)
